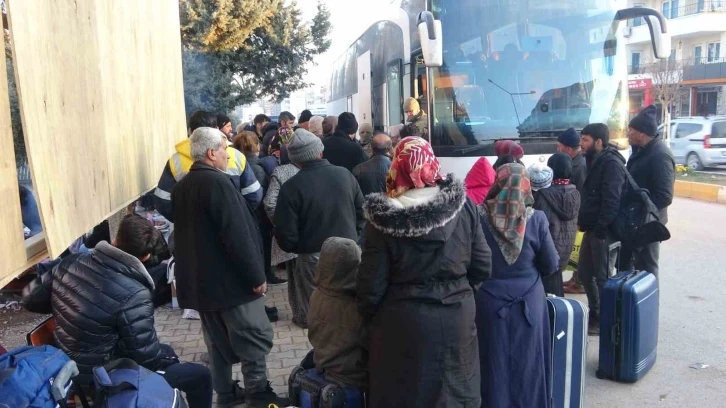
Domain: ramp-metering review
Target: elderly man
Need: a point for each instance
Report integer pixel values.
(319, 202)
(220, 272)
(371, 175)
(365, 134)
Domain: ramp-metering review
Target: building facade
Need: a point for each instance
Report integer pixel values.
(698, 32)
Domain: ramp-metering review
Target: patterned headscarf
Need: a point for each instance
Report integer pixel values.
(508, 207)
(281, 138)
(413, 166)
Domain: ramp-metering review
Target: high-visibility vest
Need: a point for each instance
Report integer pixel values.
(181, 161)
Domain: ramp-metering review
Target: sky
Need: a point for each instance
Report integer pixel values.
(350, 18)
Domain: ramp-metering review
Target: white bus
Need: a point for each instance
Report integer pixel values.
(520, 69)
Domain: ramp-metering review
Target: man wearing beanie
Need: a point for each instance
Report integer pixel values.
(304, 121)
(341, 149)
(417, 117)
(653, 168)
(569, 143)
(319, 202)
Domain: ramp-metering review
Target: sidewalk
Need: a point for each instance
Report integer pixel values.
(290, 341)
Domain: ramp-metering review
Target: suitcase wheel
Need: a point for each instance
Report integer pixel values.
(293, 387)
(333, 397)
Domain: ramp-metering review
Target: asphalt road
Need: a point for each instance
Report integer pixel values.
(692, 320)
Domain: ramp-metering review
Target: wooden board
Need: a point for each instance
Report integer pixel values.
(12, 245)
(101, 96)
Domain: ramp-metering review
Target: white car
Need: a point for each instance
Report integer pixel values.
(698, 142)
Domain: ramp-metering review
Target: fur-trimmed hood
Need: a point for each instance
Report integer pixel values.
(420, 220)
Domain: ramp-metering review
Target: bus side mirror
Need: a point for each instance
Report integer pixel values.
(429, 32)
(659, 36)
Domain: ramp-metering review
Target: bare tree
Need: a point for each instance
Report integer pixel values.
(667, 77)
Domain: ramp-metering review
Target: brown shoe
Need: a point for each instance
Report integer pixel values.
(574, 289)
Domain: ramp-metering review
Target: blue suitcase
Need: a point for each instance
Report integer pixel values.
(308, 388)
(568, 322)
(628, 326)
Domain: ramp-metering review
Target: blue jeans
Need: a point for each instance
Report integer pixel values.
(29, 210)
(194, 380)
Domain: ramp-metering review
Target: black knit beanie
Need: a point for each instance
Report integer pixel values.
(645, 121)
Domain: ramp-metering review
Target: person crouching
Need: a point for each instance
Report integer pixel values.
(335, 326)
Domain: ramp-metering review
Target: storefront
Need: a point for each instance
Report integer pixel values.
(640, 93)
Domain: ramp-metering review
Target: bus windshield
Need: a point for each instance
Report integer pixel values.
(526, 68)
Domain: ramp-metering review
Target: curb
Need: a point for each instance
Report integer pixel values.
(700, 191)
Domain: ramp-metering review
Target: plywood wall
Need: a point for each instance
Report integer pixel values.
(101, 96)
(12, 246)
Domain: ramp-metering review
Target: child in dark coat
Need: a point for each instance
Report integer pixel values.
(561, 203)
(335, 326)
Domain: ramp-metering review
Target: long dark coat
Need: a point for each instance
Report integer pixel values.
(513, 322)
(415, 290)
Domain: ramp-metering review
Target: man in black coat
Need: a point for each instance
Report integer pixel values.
(569, 143)
(371, 175)
(319, 202)
(103, 309)
(286, 119)
(341, 149)
(599, 205)
(220, 272)
(652, 168)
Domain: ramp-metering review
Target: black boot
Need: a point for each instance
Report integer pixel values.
(272, 314)
(232, 398)
(265, 398)
(274, 280)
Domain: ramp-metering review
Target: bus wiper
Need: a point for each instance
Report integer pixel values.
(471, 149)
(511, 95)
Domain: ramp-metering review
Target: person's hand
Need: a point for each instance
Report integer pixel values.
(260, 290)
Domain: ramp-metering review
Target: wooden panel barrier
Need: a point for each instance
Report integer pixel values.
(101, 97)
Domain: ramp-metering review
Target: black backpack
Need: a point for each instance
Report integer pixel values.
(638, 221)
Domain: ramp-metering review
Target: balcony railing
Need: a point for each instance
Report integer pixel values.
(694, 69)
(705, 6)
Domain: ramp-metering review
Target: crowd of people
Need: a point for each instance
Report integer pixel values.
(417, 288)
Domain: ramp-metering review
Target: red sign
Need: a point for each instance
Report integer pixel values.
(637, 84)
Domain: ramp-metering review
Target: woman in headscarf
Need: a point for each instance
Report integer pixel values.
(315, 126)
(512, 319)
(423, 252)
(479, 180)
(282, 174)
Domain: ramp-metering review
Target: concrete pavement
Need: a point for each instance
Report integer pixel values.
(692, 323)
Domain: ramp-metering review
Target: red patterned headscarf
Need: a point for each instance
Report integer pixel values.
(508, 207)
(413, 166)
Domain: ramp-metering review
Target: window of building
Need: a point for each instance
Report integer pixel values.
(670, 9)
(635, 62)
(697, 53)
(714, 52)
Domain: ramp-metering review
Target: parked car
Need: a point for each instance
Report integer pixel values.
(698, 142)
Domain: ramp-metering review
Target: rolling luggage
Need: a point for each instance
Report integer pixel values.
(568, 321)
(308, 388)
(628, 326)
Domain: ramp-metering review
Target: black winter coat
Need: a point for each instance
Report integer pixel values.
(561, 204)
(414, 287)
(602, 193)
(269, 132)
(371, 175)
(319, 202)
(653, 168)
(102, 304)
(341, 150)
(219, 254)
(579, 171)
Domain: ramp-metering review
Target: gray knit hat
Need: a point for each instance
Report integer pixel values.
(304, 147)
(540, 176)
